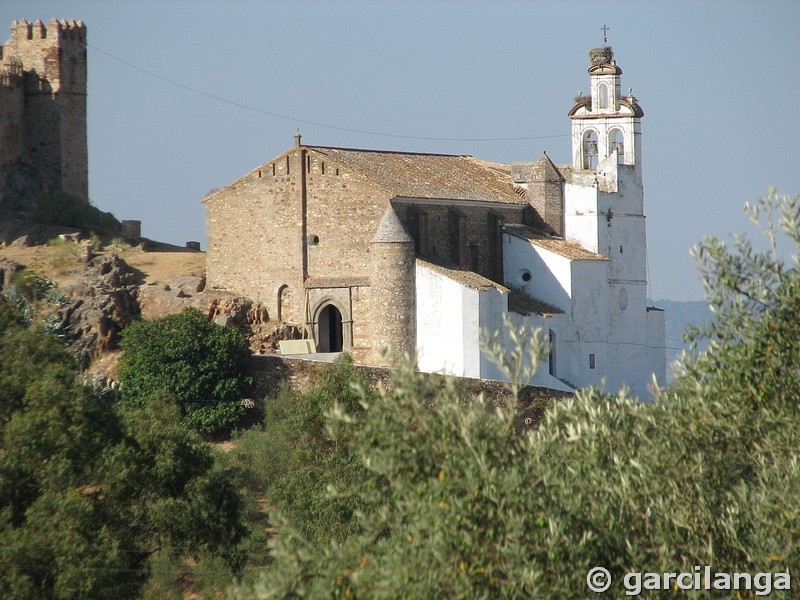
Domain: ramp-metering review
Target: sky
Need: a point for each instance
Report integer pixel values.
(187, 96)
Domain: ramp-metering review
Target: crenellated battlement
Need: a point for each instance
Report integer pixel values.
(55, 29)
(43, 110)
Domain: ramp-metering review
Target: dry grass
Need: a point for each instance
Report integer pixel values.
(59, 263)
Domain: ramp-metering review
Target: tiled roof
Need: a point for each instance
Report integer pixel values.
(466, 278)
(560, 246)
(523, 304)
(429, 176)
(518, 302)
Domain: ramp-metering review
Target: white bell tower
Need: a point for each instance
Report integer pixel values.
(605, 122)
(604, 213)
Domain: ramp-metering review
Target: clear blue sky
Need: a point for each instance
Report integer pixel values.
(718, 82)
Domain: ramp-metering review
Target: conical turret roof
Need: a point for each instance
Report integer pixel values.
(391, 229)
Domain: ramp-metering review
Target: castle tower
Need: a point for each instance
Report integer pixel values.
(392, 290)
(53, 59)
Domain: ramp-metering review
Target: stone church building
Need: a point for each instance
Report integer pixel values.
(422, 253)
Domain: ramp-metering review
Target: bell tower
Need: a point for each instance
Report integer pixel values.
(604, 200)
(604, 213)
(605, 122)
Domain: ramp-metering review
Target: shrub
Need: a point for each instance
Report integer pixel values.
(95, 494)
(204, 366)
(293, 460)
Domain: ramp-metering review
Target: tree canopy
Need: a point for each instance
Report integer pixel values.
(203, 365)
(90, 491)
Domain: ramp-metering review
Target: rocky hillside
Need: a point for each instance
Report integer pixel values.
(88, 292)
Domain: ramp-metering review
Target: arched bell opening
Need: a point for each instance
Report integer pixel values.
(589, 149)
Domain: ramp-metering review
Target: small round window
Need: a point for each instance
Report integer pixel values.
(313, 240)
(525, 276)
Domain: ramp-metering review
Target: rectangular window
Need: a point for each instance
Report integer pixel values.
(473, 257)
(591, 361)
(454, 235)
(418, 225)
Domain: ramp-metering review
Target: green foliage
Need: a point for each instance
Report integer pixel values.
(294, 462)
(204, 366)
(9, 316)
(457, 504)
(88, 494)
(755, 298)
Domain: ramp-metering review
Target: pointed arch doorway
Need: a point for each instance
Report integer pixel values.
(329, 325)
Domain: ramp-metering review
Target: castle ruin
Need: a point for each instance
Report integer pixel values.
(43, 146)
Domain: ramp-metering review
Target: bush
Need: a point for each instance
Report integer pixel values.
(204, 366)
(90, 492)
(293, 461)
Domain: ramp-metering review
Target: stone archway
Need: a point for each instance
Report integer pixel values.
(329, 330)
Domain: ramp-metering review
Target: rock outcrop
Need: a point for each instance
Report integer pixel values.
(104, 301)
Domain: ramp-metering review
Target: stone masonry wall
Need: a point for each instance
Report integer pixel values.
(393, 301)
(479, 235)
(12, 106)
(256, 236)
(343, 213)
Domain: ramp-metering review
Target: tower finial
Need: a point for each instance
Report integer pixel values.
(297, 139)
(605, 29)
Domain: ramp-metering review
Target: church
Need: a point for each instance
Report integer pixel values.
(369, 250)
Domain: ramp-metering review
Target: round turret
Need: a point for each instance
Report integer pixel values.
(392, 290)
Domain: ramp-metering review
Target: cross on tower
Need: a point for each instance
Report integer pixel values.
(605, 29)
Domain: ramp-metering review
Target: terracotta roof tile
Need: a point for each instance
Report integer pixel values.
(467, 278)
(562, 247)
(522, 303)
(429, 176)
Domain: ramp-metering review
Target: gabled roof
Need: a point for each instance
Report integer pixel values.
(518, 301)
(427, 176)
(468, 279)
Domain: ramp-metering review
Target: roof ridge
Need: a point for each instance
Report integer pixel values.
(387, 151)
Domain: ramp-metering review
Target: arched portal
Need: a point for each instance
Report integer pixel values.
(329, 328)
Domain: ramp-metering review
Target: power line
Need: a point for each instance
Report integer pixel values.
(315, 123)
